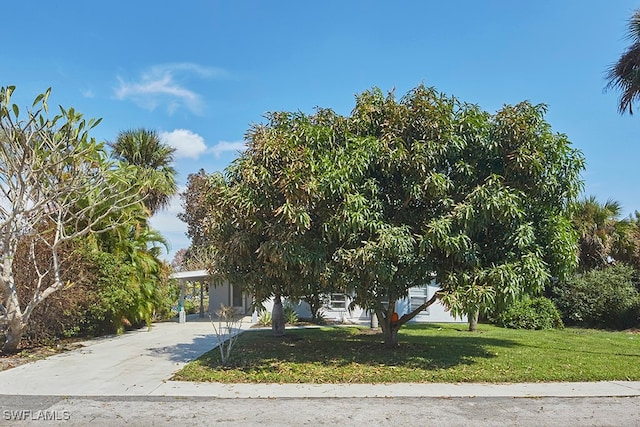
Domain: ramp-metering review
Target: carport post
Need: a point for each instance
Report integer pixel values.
(211, 308)
(202, 298)
(182, 318)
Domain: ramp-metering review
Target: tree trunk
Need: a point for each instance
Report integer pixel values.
(389, 330)
(277, 317)
(473, 320)
(16, 318)
(15, 330)
(391, 337)
(315, 304)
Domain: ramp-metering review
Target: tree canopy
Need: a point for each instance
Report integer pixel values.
(143, 149)
(605, 239)
(383, 199)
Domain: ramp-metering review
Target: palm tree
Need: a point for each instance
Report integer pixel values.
(627, 248)
(142, 148)
(625, 74)
(598, 231)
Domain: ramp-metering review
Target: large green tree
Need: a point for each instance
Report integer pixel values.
(243, 223)
(624, 74)
(376, 202)
(56, 185)
(478, 199)
(507, 232)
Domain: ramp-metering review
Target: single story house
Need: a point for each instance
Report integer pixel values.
(336, 307)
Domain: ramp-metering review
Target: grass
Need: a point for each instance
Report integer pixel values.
(427, 353)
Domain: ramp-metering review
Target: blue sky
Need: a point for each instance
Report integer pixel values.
(202, 71)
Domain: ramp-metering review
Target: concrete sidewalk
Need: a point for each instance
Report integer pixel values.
(142, 362)
(409, 390)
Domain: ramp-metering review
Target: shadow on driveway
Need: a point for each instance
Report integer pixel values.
(185, 352)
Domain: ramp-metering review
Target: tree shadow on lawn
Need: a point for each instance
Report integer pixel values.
(428, 347)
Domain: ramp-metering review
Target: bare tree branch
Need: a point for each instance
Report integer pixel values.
(56, 184)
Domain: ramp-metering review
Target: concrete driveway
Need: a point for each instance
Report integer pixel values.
(135, 363)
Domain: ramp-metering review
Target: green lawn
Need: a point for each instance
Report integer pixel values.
(427, 353)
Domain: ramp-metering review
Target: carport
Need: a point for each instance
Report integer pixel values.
(184, 277)
(219, 293)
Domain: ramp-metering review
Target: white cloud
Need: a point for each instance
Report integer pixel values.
(226, 147)
(165, 85)
(190, 145)
(188, 67)
(187, 144)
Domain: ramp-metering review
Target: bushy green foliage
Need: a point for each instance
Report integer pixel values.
(537, 313)
(101, 297)
(320, 318)
(373, 202)
(290, 315)
(116, 298)
(606, 298)
(121, 302)
(189, 307)
(265, 318)
(166, 294)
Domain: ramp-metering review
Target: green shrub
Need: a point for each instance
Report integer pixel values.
(116, 298)
(190, 307)
(319, 318)
(290, 315)
(605, 298)
(166, 294)
(265, 318)
(124, 298)
(537, 313)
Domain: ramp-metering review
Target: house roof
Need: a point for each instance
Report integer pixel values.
(190, 275)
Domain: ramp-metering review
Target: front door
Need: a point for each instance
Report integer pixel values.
(237, 299)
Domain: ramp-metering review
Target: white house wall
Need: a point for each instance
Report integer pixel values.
(436, 313)
(222, 294)
(218, 295)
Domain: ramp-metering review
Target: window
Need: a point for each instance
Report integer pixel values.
(236, 296)
(417, 297)
(337, 301)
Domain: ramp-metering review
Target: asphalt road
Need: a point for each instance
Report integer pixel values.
(142, 411)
